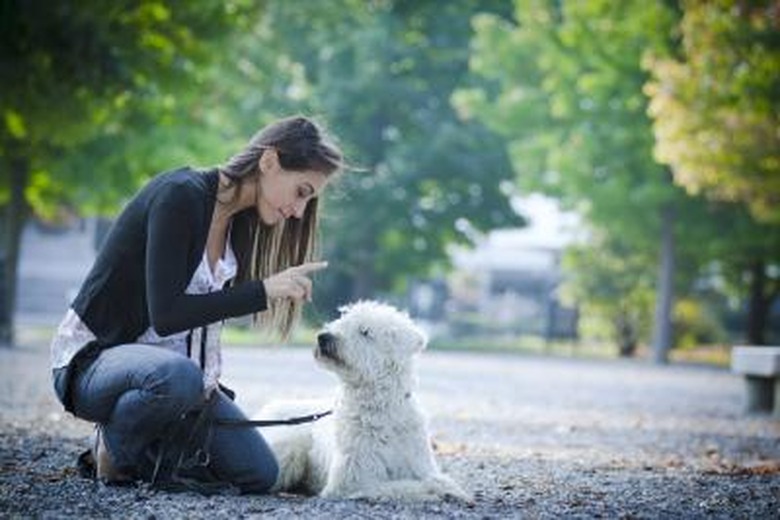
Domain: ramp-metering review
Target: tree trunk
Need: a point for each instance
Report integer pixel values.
(758, 304)
(625, 333)
(662, 323)
(13, 220)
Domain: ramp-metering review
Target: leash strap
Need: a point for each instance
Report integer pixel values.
(228, 423)
(186, 445)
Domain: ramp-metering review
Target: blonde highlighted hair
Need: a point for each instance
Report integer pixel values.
(263, 250)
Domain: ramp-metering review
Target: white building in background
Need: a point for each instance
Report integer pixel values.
(509, 281)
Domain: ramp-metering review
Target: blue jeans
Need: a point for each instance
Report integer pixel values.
(136, 392)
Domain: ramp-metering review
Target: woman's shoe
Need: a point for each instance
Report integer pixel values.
(105, 470)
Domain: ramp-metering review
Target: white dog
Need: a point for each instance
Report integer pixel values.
(376, 443)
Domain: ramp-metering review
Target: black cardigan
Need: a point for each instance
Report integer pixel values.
(148, 259)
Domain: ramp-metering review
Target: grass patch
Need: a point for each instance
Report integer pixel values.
(242, 336)
(34, 334)
(235, 335)
(715, 355)
(524, 345)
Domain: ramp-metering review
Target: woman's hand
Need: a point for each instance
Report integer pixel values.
(293, 282)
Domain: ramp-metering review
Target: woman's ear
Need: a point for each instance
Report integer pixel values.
(269, 160)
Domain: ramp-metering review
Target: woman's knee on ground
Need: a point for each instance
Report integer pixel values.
(263, 479)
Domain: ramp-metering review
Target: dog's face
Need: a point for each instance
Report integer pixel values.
(369, 341)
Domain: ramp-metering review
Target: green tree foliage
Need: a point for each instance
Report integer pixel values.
(224, 102)
(383, 73)
(568, 83)
(567, 93)
(99, 96)
(716, 109)
(613, 288)
(154, 98)
(77, 71)
(741, 257)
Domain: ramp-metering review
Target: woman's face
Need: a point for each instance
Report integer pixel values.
(283, 193)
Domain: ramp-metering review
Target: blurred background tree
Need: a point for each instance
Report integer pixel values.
(568, 96)
(614, 290)
(383, 73)
(567, 92)
(446, 110)
(716, 114)
(73, 72)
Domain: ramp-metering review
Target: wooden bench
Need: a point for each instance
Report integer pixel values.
(761, 368)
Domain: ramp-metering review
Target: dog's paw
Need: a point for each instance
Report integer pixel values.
(447, 489)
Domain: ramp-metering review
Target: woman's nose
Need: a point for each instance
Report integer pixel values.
(299, 208)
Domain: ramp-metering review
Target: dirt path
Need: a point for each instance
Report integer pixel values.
(531, 437)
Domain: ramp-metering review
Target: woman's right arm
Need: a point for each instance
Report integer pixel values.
(172, 220)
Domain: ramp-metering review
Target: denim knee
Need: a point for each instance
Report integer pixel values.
(178, 379)
(264, 479)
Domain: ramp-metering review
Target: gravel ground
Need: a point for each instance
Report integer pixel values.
(531, 437)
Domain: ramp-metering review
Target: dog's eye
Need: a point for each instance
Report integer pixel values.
(365, 332)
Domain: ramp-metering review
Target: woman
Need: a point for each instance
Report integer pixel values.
(139, 346)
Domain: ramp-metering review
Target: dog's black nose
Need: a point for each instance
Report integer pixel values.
(325, 338)
(327, 344)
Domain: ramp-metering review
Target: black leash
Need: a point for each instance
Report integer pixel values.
(259, 423)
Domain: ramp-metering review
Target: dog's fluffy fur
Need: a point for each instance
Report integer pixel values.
(376, 442)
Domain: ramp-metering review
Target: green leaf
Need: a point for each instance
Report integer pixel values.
(15, 124)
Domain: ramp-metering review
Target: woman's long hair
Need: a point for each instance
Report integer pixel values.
(262, 250)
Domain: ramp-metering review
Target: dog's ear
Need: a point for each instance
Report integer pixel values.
(343, 309)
